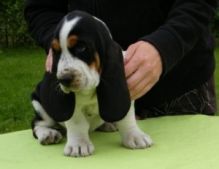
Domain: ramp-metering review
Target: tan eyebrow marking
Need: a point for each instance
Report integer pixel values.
(55, 45)
(96, 63)
(72, 40)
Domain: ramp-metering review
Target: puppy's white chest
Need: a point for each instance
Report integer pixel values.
(92, 116)
(88, 108)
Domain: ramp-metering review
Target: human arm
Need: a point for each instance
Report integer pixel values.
(187, 22)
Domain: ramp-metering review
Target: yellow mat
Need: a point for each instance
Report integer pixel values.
(180, 142)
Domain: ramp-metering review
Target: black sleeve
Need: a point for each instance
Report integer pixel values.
(187, 22)
(42, 17)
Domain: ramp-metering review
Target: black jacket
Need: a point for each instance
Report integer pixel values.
(179, 29)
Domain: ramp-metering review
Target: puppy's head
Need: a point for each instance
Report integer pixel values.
(86, 57)
(76, 53)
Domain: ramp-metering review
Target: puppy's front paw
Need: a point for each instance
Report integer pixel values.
(136, 139)
(47, 135)
(79, 148)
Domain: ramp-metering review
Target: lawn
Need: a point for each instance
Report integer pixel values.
(21, 69)
(217, 76)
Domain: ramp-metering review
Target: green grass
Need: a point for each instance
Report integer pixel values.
(217, 77)
(21, 70)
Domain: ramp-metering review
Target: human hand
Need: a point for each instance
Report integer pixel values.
(143, 68)
(49, 61)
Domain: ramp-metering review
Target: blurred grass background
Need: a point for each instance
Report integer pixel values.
(21, 70)
(217, 76)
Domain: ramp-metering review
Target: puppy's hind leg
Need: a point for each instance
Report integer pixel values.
(44, 128)
(107, 127)
(132, 136)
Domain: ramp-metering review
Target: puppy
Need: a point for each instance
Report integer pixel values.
(86, 88)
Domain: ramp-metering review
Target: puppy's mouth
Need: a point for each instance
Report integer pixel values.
(68, 89)
(65, 89)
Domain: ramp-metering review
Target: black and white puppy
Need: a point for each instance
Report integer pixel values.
(87, 87)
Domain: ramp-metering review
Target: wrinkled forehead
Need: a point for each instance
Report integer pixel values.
(65, 31)
(82, 24)
(74, 28)
(81, 27)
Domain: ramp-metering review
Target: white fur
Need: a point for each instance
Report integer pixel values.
(47, 121)
(46, 135)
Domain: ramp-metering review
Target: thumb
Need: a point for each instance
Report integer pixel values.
(49, 61)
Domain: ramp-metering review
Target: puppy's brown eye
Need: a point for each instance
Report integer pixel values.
(79, 48)
(83, 51)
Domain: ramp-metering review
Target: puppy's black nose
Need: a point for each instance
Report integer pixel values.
(66, 80)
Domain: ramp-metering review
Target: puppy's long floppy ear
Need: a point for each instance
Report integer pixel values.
(112, 92)
(58, 105)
